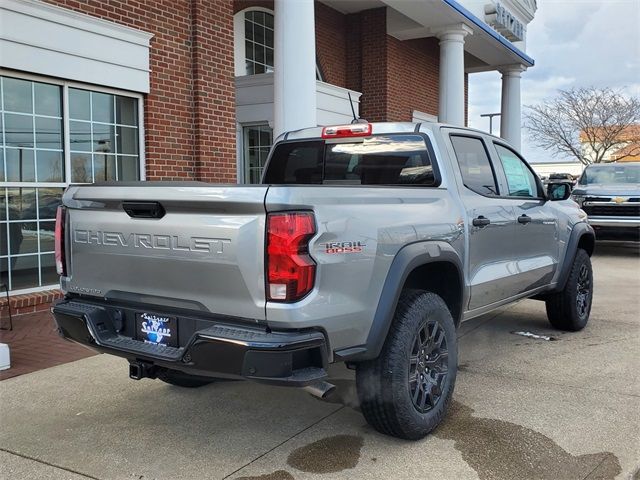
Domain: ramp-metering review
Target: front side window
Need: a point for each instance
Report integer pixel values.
(475, 166)
(37, 163)
(520, 179)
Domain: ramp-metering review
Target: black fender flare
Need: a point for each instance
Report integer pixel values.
(578, 231)
(406, 260)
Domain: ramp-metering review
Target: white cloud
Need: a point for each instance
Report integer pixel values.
(575, 43)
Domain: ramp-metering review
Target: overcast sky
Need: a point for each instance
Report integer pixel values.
(574, 43)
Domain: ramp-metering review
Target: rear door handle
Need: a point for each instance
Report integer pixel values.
(481, 221)
(524, 218)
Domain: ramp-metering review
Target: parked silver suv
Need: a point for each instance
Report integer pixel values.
(366, 244)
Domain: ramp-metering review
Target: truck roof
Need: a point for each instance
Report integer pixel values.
(379, 128)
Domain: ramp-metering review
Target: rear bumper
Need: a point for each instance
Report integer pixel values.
(217, 350)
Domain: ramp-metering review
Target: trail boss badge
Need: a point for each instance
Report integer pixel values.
(343, 247)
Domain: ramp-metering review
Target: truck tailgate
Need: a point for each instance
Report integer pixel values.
(205, 253)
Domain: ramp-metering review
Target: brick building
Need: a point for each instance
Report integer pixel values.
(197, 89)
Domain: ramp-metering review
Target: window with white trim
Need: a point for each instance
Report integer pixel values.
(258, 42)
(54, 134)
(254, 42)
(257, 143)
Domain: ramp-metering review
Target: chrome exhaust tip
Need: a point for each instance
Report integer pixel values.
(320, 389)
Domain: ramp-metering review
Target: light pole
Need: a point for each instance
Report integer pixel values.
(490, 115)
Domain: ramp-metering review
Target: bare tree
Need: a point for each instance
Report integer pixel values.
(588, 123)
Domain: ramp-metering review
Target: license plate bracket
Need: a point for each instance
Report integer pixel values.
(157, 329)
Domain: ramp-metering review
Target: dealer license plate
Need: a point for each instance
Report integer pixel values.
(157, 329)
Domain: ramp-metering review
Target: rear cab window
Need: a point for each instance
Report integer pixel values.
(386, 160)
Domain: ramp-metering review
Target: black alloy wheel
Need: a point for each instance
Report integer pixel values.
(428, 366)
(583, 298)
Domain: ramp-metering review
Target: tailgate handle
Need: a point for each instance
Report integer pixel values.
(143, 209)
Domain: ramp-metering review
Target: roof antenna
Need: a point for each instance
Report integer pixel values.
(353, 112)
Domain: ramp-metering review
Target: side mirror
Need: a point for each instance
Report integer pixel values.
(558, 191)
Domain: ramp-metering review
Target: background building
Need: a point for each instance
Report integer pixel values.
(98, 90)
(627, 147)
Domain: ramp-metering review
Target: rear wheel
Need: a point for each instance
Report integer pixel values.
(405, 392)
(181, 379)
(570, 308)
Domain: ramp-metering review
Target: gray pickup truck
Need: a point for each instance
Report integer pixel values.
(366, 244)
(610, 196)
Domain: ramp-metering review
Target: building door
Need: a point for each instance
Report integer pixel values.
(257, 140)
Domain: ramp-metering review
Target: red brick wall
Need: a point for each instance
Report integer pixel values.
(354, 52)
(373, 66)
(214, 90)
(27, 303)
(331, 44)
(189, 113)
(395, 77)
(412, 77)
(242, 4)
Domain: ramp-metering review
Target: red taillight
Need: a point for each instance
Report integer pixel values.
(343, 131)
(290, 269)
(59, 241)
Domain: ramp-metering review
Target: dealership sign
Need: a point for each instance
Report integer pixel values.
(504, 22)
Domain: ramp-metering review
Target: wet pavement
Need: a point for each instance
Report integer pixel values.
(524, 407)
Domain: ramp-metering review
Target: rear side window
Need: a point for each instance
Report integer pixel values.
(475, 167)
(378, 160)
(296, 163)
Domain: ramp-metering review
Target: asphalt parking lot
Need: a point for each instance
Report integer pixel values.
(567, 408)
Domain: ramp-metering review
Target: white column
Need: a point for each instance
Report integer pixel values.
(451, 95)
(511, 109)
(294, 66)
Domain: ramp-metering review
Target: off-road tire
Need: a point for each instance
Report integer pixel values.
(387, 385)
(181, 379)
(565, 310)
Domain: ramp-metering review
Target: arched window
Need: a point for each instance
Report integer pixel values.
(253, 41)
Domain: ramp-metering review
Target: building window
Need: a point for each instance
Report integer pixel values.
(103, 130)
(257, 142)
(258, 42)
(43, 151)
(254, 44)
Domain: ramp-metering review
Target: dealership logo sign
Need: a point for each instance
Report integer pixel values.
(154, 327)
(504, 22)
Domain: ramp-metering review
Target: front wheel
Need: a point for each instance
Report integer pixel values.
(570, 308)
(405, 392)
